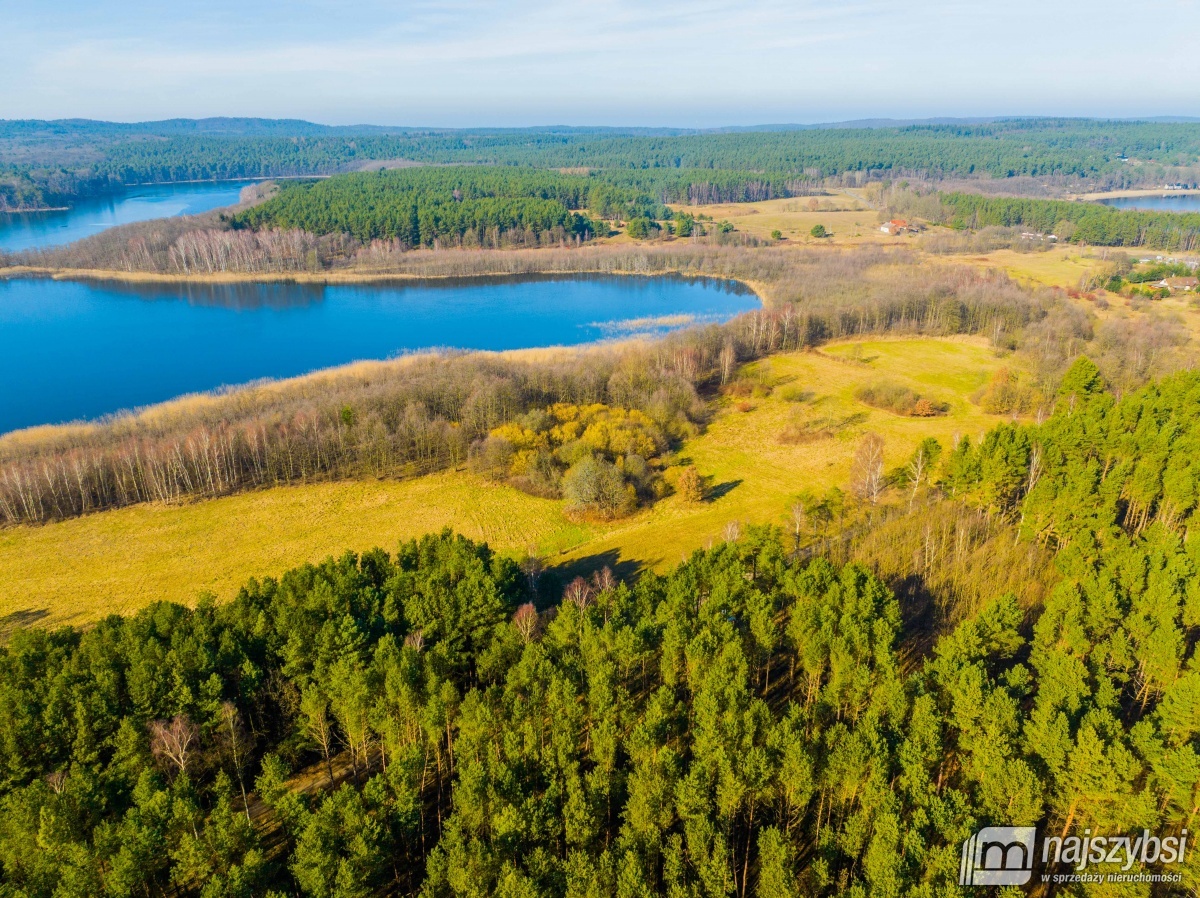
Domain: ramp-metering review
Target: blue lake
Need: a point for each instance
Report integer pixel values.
(1169, 202)
(78, 350)
(36, 230)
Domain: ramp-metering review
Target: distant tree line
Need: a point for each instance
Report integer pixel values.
(707, 186)
(1037, 147)
(1079, 222)
(52, 163)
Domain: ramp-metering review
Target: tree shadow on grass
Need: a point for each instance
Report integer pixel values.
(20, 620)
(556, 577)
(719, 490)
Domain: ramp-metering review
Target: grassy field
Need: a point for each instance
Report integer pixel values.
(849, 219)
(754, 475)
(79, 570)
(114, 562)
(1072, 267)
(1065, 266)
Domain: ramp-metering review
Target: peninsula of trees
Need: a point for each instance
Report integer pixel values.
(465, 205)
(1093, 223)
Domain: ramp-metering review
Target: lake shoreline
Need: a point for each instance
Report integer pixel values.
(125, 188)
(1133, 193)
(337, 278)
(356, 368)
(41, 226)
(242, 334)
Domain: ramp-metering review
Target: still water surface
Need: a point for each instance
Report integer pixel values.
(1170, 202)
(75, 350)
(38, 230)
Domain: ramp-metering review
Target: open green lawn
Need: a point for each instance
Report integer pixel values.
(117, 561)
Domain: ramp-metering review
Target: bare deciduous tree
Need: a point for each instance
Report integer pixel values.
(917, 472)
(171, 740)
(1035, 468)
(579, 594)
(603, 579)
(532, 567)
(799, 519)
(866, 476)
(239, 746)
(728, 361)
(526, 621)
(318, 724)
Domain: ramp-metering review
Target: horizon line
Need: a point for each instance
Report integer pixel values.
(861, 123)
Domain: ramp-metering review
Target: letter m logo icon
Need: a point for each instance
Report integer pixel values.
(998, 856)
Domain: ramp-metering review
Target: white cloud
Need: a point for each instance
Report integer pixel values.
(702, 62)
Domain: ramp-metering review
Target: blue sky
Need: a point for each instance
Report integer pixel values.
(653, 62)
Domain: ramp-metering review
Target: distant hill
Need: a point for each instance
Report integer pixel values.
(225, 126)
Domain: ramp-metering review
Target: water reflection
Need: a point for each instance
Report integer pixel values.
(72, 349)
(239, 297)
(87, 217)
(290, 295)
(1188, 202)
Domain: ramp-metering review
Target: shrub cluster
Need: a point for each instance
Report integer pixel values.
(902, 400)
(603, 460)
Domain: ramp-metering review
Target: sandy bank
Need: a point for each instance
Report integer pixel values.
(1131, 194)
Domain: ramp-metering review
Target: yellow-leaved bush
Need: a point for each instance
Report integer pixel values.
(602, 458)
